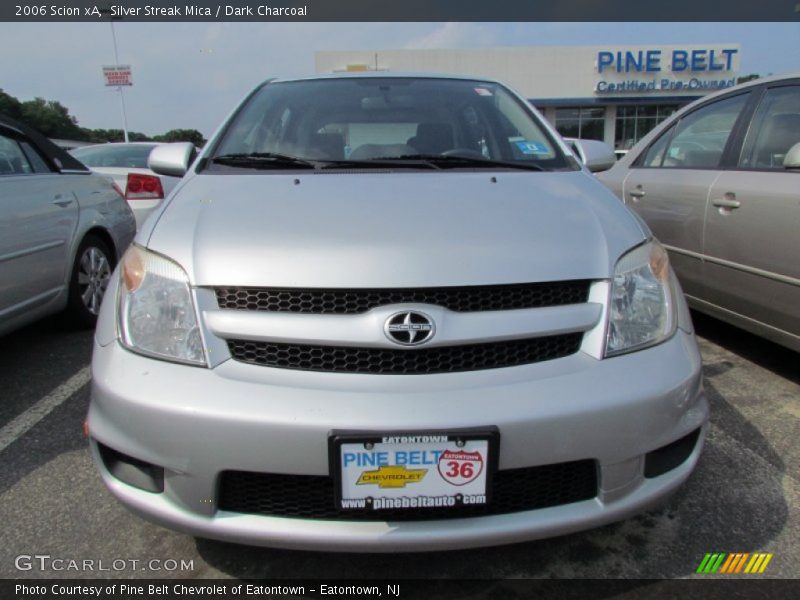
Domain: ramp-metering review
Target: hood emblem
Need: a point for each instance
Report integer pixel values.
(409, 328)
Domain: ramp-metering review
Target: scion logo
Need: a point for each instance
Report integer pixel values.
(409, 328)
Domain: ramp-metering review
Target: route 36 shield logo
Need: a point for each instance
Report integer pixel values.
(458, 467)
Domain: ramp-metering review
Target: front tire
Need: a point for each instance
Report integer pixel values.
(91, 273)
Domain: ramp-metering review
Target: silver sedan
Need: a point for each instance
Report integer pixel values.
(62, 231)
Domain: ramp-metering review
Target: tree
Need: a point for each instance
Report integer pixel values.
(102, 136)
(10, 106)
(51, 118)
(182, 135)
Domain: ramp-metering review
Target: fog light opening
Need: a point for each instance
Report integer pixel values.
(670, 456)
(137, 473)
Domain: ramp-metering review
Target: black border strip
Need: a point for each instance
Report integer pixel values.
(407, 11)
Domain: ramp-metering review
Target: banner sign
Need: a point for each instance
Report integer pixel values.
(117, 75)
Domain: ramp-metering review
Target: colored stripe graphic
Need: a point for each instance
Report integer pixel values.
(734, 563)
(767, 558)
(727, 564)
(711, 562)
(703, 564)
(754, 564)
(739, 564)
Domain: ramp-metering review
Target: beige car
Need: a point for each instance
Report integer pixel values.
(719, 185)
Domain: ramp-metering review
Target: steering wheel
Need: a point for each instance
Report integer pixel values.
(465, 152)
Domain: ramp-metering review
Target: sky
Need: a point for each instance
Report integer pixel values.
(191, 75)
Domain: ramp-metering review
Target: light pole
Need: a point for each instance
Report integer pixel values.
(119, 87)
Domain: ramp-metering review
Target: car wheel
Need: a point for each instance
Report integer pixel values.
(90, 276)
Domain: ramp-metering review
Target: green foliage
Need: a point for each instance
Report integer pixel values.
(182, 135)
(10, 106)
(101, 136)
(52, 119)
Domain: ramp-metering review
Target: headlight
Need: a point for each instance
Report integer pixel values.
(642, 300)
(156, 311)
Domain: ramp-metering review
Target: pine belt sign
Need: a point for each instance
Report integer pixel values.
(117, 75)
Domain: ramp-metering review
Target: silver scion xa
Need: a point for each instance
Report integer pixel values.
(386, 313)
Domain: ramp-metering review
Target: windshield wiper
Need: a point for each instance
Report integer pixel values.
(263, 160)
(382, 162)
(455, 160)
(271, 160)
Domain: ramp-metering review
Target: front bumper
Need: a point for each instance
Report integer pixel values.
(198, 422)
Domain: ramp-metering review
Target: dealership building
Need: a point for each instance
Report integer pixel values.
(611, 93)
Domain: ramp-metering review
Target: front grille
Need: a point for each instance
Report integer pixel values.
(312, 497)
(352, 301)
(450, 359)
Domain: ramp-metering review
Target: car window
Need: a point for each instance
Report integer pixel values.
(114, 155)
(775, 128)
(12, 158)
(655, 153)
(378, 118)
(35, 159)
(700, 137)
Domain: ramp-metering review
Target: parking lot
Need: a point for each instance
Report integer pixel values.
(743, 497)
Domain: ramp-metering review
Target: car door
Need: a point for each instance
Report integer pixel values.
(38, 216)
(668, 184)
(753, 222)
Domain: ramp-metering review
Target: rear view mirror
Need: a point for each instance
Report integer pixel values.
(171, 159)
(596, 155)
(792, 158)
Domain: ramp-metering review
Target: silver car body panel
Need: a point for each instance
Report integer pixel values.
(271, 420)
(312, 234)
(381, 229)
(38, 242)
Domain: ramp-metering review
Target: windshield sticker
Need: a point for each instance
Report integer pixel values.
(528, 147)
(483, 92)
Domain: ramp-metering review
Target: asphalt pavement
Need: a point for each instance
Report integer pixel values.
(743, 497)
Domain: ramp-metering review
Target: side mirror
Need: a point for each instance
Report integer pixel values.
(596, 155)
(792, 158)
(172, 159)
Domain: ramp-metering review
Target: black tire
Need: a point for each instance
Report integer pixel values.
(91, 273)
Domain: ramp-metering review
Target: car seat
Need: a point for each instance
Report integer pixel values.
(432, 138)
(780, 133)
(326, 146)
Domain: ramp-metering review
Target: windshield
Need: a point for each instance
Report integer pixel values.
(369, 120)
(117, 155)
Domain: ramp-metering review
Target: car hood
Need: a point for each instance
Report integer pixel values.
(392, 229)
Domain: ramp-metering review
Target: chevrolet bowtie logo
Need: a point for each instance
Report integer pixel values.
(396, 476)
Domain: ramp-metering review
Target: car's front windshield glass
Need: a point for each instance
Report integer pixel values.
(450, 123)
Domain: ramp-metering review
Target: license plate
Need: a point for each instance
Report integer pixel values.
(413, 470)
